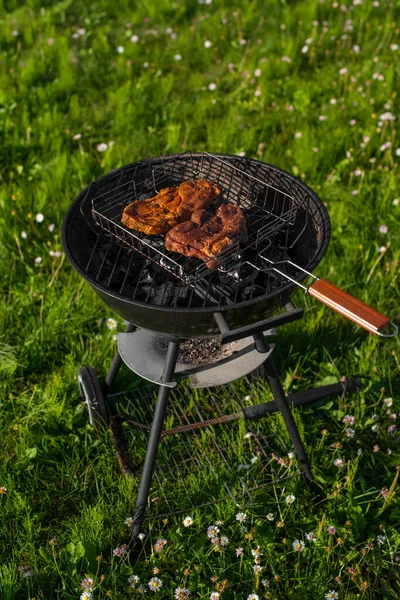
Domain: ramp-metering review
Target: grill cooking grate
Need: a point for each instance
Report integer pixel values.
(269, 210)
(285, 220)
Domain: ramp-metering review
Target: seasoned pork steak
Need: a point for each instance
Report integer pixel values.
(171, 206)
(207, 234)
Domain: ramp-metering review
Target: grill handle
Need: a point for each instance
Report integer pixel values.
(347, 305)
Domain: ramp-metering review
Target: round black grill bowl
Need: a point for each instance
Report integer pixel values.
(83, 246)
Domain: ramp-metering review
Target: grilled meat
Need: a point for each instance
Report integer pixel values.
(171, 206)
(207, 234)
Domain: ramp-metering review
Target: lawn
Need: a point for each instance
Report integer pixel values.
(309, 86)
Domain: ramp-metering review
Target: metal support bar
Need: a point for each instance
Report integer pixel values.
(257, 411)
(116, 364)
(231, 335)
(154, 439)
(282, 403)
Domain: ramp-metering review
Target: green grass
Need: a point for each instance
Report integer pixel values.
(66, 501)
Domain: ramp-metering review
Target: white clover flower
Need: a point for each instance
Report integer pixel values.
(51, 227)
(133, 580)
(187, 521)
(39, 218)
(207, 44)
(141, 536)
(257, 73)
(395, 202)
(38, 260)
(387, 116)
(354, 192)
(24, 235)
(348, 419)
(304, 49)
(338, 462)
(381, 539)
(350, 432)
(383, 229)
(239, 551)
(333, 101)
(155, 584)
(241, 517)
(242, 42)
(134, 38)
(77, 136)
(257, 569)
(120, 49)
(298, 135)
(343, 71)
(212, 87)
(181, 593)
(298, 545)
(81, 31)
(248, 435)
(290, 499)
(102, 147)
(224, 540)
(286, 59)
(177, 57)
(356, 48)
(394, 47)
(376, 426)
(145, 65)
(112, 324)
(322, 118)
(388, 402)
(311, 537)
(290, 455)
(357, 173)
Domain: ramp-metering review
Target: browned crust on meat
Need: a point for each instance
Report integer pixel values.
(171, 206)
(207, 235)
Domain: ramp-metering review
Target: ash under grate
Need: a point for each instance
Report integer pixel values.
(210, 464)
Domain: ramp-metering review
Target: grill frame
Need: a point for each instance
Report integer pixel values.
(194, 321)
(265, 216)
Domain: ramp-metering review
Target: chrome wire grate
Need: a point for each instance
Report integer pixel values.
(269, 209)
(214, 463)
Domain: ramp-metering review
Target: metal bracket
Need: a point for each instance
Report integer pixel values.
(231, 335)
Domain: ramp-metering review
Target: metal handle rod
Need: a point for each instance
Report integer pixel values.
(154, 439)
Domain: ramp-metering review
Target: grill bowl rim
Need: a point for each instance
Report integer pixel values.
(286, 290)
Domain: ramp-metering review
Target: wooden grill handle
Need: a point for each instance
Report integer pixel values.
(347, 305)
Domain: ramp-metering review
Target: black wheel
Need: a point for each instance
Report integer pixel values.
(90, 390)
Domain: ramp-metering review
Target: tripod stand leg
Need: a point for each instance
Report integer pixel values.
(116, 364)
(272, 377)
(154, 439)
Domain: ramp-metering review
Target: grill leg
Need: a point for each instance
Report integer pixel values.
(272, 377)
(116, 364)
(154, 439)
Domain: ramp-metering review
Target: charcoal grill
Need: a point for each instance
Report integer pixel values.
(166, 298)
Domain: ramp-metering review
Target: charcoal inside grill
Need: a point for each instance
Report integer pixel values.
(199, 351)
